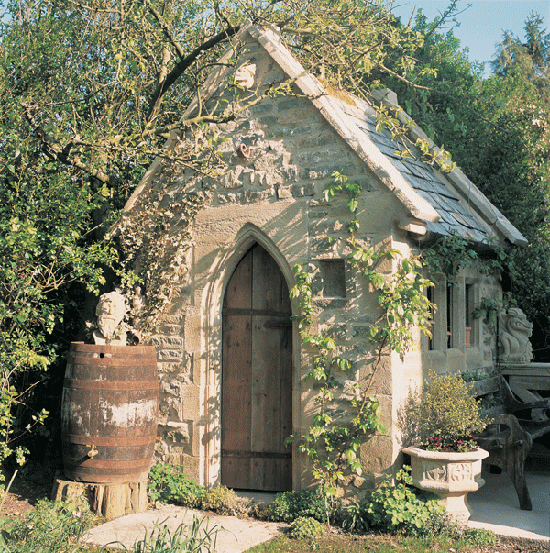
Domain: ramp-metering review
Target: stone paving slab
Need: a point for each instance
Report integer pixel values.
(495, 506)
(234, 535)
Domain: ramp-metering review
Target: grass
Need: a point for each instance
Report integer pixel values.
(470, 541)
(361, 544)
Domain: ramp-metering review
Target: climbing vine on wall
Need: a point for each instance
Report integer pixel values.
(335, 436)
(451, 253)
(156, 244)
(155, 236)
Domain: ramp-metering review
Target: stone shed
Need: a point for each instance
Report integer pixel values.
(231, 360)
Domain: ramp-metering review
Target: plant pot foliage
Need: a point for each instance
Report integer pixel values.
(445, 415)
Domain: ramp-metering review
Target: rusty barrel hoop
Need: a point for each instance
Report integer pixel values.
(109, 412)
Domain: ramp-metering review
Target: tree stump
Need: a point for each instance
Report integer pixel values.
(109, 500)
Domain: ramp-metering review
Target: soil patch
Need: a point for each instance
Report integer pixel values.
(24, 494)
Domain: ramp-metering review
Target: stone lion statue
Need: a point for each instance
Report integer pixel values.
(514, 344)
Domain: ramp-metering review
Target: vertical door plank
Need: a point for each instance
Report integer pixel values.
(239, 289)
(236, 375)
(236, 381)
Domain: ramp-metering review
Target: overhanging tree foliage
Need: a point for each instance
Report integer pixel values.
(46, 248)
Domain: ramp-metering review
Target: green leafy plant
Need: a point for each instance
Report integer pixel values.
(448, 255)
(214, 498)
(224, 501)
(355, 517)
(51, 526)
(288, 506)
(445, 414)
(194, 538)
(306, 527)
(168, 484)
(398, 506)
(476, 537)
(440, 157)
(474, 376)
(489, 309)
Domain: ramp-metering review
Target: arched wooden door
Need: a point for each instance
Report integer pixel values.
(256, 376)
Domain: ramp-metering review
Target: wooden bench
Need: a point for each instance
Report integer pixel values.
(509, 437)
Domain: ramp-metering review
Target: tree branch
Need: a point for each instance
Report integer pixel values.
(165, 29)
(184, 64)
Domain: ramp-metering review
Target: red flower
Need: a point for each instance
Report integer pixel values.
(434, 441)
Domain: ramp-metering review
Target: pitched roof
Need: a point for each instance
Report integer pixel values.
(447, 204)
(444, 204)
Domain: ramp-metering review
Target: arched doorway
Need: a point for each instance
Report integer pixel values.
(256, 376)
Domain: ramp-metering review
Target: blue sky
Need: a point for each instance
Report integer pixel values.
(481, 24)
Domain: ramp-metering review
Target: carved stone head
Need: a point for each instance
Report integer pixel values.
(245, 75)
(110, 311)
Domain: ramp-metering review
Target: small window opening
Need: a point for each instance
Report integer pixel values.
(333, 273)
(469, 314)
(449, 317)
(430, 294)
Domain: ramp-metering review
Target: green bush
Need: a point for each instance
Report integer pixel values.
(225, 501)
(397, 507)
(440, 527)
(445, 413)
(261, 511)
(168, 484)
(355, 517)
(53, 526)
(306, 527)
(221, 500)
(214, 498)
(288, 506)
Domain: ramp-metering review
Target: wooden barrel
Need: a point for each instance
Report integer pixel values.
(109, 412)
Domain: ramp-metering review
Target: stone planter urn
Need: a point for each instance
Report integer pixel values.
(448, 475)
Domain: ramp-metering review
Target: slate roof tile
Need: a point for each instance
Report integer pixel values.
(400, 166)
(455, 217)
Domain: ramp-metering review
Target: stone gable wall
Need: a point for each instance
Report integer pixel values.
(273, 195)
